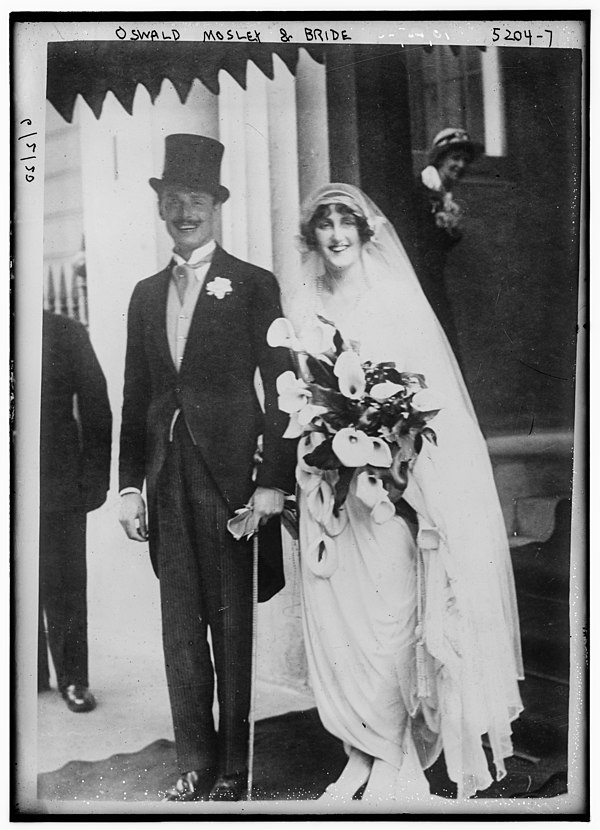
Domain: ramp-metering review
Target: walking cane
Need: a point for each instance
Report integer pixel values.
(252, 713)
(241, 525)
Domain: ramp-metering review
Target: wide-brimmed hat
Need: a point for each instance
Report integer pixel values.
(450, 140)
(194, 162)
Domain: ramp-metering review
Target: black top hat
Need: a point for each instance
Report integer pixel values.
(194, 162)
(450, 140)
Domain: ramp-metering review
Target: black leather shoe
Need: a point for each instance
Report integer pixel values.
(79, 699)
(194, 785)
(230, 788)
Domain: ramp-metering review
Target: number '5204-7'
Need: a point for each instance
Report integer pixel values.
(519, 35)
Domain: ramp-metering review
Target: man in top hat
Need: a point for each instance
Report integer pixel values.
(190, 424)
(436, 219)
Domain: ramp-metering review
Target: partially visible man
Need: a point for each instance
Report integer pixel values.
(191, 422)
(436, 219)
(75, 443)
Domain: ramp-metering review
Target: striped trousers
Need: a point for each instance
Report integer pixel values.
(205, 583)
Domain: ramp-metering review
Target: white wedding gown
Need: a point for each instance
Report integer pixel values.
(360, 589)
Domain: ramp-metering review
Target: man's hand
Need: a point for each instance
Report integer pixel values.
(266, 503)
(133, 517)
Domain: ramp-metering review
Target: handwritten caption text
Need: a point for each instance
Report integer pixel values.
(31, 148)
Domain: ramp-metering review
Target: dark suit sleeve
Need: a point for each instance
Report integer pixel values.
(95, 420)
(279, 454)
(136, 399)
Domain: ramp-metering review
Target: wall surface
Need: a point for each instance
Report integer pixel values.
(513, 279)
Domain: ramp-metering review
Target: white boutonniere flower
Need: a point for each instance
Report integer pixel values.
(219, 287)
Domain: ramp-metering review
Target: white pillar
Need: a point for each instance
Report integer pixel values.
(232, 134)
(258, 204)
(493, 102)
(313, 139)
(285, 191)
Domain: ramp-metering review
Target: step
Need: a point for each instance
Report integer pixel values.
(543, 726)
(543, 568)
(535, 516)
(515, 541)
(533, 466)
(544, 633)
(545, 444)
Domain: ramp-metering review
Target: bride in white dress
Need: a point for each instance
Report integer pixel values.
(412, 639)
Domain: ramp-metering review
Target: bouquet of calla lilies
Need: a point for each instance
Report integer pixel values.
(353, 415)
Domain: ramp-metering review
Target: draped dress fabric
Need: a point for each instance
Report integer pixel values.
(361, 581)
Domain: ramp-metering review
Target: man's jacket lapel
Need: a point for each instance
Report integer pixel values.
(158, 316)
(196, 335)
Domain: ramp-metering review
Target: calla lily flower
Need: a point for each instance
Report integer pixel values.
(281, 333)
(309, 442)
(350, 374)
(294, 428)
(318, 338)
(293, 393)
(300, 419)
(369, 489)
(320, 502)
(380, 455)
(372, 493)
(309, 412)
(352, 446)
(382, 391)
(322, 556)
(383, 511)
(426, 400)
(286, 381)
(307, 478)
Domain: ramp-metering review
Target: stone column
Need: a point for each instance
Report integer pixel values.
(313, 140)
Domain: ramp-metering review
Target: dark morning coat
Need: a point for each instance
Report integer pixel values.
(214, 389)
(74, 453)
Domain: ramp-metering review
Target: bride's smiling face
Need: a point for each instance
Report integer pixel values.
(338, 239)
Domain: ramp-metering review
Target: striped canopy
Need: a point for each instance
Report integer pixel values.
(93, 68)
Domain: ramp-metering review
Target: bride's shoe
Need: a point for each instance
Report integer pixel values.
(354, 775)
(334, 794)
(405, 786)
(382, 785)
